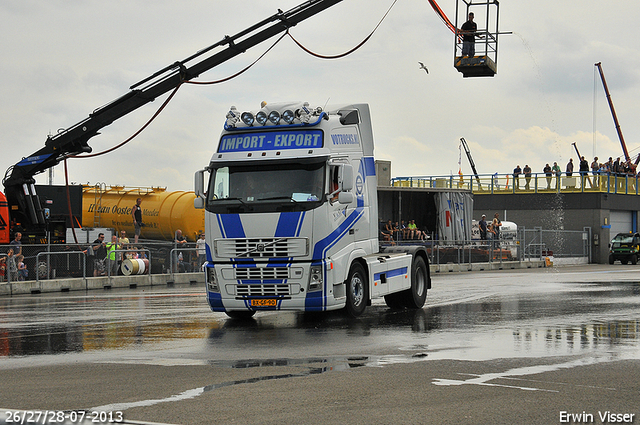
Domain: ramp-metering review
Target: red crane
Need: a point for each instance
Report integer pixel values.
(613, 112)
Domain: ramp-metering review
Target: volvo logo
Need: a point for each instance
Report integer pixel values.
(260, 247)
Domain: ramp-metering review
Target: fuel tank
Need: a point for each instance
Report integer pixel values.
(162, 212)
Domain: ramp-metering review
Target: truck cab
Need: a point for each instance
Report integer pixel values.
(291, 214)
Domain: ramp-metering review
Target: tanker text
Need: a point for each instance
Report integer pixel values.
(116, 210)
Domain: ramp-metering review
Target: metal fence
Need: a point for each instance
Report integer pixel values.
(71, 260)
(59, 261)
(538, 243)
(528, 244)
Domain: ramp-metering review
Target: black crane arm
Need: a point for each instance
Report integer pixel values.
(473, 165)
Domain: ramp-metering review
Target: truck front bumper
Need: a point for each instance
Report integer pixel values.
(232, 287)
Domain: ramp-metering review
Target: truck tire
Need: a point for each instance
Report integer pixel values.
(634, 259)
(416, 296)
(357, 290)
(611, 259)
(241, 314)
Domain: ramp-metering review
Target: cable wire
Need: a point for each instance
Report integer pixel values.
(242, 71)
(153, 117)
(350, 51)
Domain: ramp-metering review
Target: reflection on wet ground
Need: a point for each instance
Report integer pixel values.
(305, 367)
(573, 319)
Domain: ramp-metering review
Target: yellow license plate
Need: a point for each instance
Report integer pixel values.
(264, 303)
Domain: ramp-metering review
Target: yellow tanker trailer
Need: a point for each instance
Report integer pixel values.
(162, 212)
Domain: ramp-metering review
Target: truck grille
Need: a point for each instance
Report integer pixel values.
(261, 248)
(262, 273)
(262, 290)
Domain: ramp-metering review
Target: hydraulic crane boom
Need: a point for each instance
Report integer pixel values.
(577, 151)
(19, 179)
(613, 112)
(473, 165)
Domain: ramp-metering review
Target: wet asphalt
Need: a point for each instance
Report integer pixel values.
(518, 346)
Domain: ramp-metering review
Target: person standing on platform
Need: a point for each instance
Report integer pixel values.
(558, 172)
(516, 176)
(548, 174)
(569, 168)
(584, 171)
(469, 30)
(136, 213)
(527, 176)
(595, 169)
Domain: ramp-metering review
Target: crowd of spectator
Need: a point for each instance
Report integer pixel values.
(597, 169)
(393, 232)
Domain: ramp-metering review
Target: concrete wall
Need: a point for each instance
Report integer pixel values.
(103, 282)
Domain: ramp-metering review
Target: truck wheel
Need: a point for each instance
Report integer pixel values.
(415, 296)
(241, 314)
(357, 290)
(634, 259)
(611, 259)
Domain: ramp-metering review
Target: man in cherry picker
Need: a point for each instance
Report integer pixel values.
(469, 29)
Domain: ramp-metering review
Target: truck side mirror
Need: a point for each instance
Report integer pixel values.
(198, 202)
(345, 178)
(345, 197)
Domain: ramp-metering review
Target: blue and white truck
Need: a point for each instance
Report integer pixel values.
(292, 218)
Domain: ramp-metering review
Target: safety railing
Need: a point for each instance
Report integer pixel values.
(184, 260)
(537, 183)
(44, 268)
(528, 244)
(538, 242)
(67, 257)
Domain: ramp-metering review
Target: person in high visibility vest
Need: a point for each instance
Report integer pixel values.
(112, 262)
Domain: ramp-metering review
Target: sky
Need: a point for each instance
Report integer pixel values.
(62, 59)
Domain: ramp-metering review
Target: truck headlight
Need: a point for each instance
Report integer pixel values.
(315, 278)
(212, 280)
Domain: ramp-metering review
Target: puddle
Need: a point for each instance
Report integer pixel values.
(312, 366)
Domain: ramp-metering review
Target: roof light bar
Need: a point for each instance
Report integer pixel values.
(261, 118)
(274, 117)
(247, 118)
(288, 116)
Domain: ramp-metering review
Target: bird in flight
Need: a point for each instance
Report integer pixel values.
(423, 67)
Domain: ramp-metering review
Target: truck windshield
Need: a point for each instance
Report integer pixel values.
(269, 187)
